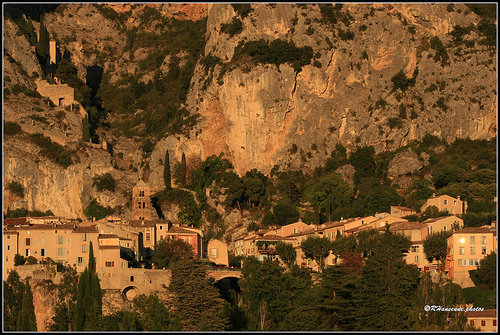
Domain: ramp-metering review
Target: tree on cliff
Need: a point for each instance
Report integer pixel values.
(64, 312)
(86, 129)
(27, 319)
(88, 313)
(42, 46)
(166, 172)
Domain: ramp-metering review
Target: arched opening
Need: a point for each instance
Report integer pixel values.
(61, 101)
(131, 279)
(130, 292)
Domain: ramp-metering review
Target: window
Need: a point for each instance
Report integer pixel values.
(454, 202)
(483, 239)
(60, 251)
(445, 202)
(28, 252)
(473, 262)
(79, 261)
(8, 246)
(444, 228)
(452, 210)
(42, 241)
(7, 259)
(109, 264)
(416, 259)
(483, 250)
(494, 323)
(464, 262)
(8, 237)
(471, 323)
(414, 248)
(473, 240)
(27, 241)
(483, 323)
(85, 248)
(430, 229)
(139, 204)
(461, 251)
(472, 250)
(131, 278)
(148, 236)
(60, 239)
(214, 252)
(42, 252)
(161, 227)
(83, 237)
(124, 265)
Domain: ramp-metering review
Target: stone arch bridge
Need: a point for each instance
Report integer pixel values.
(132, 282)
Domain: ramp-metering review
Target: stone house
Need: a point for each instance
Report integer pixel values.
(485, 321)
(446, 203)
(217, 252)
(416, 232)
(465, 250)
(399, 211)
(443, 223)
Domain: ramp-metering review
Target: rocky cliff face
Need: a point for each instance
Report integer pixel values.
(256, 115)
(256, 112)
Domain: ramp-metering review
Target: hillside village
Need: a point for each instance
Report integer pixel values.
(123, 242)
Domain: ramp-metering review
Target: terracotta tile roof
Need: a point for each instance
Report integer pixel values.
(179, 230)
(86, 229)
(109, 247)
(437, 219)
(15, 221)
(487, 313)
(473, 230)
(403, 208)
(305, 232)
(139, 223)
(409, 225)
(270, 238)
(102, 236)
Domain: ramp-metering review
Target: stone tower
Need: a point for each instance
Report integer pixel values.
(141, 201)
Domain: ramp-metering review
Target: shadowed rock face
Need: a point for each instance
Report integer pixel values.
(255, 112)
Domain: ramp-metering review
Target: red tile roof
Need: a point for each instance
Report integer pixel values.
(409, 225)
(15, 221)
(179, 230)
(473, 230)
(141, 223)
(102, 236)
(487, 313)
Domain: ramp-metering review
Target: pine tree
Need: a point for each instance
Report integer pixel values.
(388, 285)
(86, 129)
(166, 172)
(88, 313)
(197, 303)
(27, 319)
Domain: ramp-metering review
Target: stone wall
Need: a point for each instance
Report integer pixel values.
(59, 94)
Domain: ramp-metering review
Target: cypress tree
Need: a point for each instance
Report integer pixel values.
(27, 319)
(13, 294)
(183, 171)
(86, 129)
(166, 172)
(42, 46)
(88, 313)
(31, 31)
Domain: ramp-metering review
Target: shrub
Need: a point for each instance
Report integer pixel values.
(97, 211)
(52, 150)
(277, 52)
(16, 188)
(233, 28)
(19, 260)
(104, 182)
(402, 82)
(243, 10)
(11, 128)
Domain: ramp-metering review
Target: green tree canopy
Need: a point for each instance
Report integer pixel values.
(435, 246)
(286, 252)
(168, 251)
(317, 248)
(388, 285)
(26, 320)
(88, 313)
(486, 273)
